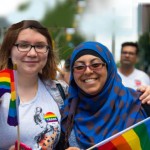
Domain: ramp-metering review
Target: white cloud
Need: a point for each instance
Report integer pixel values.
(8, 6)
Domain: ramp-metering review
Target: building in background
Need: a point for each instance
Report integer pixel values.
(144, 35)
(143, 18)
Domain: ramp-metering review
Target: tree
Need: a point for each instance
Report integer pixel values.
(58, 20)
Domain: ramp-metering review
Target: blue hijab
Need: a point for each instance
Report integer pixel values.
(95, 118)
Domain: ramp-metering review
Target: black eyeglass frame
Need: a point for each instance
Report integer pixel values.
(34, 46)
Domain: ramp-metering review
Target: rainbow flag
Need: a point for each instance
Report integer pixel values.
(136, 137)
(7, 85)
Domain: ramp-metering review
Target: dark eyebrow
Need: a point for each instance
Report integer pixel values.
(22, 41)
(27, 42)
(40, 42)
(90, 60)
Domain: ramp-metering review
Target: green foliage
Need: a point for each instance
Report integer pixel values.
(57, 21)
(66, 47)
(118, 64)
(24, 6)
(62, 15)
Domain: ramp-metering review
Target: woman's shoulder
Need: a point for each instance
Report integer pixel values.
(58, 89)
(53, 84)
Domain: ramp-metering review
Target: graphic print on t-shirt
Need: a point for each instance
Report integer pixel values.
(137, 82)
(49, 123)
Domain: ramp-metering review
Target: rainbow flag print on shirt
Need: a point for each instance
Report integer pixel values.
(136, 137)
(7, 85)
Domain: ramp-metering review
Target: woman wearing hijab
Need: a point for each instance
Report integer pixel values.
(99, 105)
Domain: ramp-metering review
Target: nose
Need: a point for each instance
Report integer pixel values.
(88, 70)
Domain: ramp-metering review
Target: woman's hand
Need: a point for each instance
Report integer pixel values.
(12, 147)
(72, 148)
(145, 97)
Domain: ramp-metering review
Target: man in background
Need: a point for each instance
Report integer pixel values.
(131, 77)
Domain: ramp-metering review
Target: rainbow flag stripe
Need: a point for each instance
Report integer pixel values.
(136, 137)
(4, 82)
(7, 85)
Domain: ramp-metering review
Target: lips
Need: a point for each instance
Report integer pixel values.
(30, 61)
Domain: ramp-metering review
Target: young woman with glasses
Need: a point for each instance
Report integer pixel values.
(28, 45)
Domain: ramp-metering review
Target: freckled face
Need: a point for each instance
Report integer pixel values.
(90, 81)
(29, 62)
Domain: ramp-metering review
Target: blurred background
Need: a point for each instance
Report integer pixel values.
(70, 22)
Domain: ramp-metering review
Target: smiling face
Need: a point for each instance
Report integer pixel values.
(29, 62)
(90, 81)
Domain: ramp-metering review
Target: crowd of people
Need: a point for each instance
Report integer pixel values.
(96, 99)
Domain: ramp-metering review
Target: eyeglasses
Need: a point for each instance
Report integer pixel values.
(129, 53)
(93, 66)
(39, 48)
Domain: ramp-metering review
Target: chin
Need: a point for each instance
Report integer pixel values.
(91, 92)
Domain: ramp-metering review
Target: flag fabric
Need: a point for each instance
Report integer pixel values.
(136, 137)
(7, 85)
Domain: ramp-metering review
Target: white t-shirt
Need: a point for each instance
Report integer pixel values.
(135, 79)
(39, 121)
